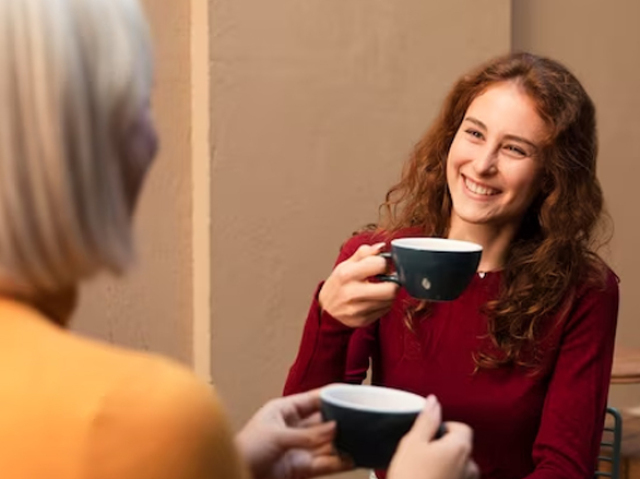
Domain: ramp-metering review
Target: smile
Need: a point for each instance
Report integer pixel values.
(478, 188)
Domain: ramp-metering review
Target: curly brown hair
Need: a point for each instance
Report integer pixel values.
(554, 249)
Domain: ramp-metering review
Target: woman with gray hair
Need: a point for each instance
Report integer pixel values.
(76, 140)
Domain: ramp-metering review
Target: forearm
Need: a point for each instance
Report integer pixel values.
(322, 355)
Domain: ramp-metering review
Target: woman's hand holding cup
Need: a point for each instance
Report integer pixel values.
(350, 297)
(421, 455)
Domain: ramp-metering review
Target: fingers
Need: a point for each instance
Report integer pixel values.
(368, 267)
(350, 297)
(324, 460)
(366, 250)
(367, 299)
(360, 311)
(458, 434)
(457, 445)
(299, 405)
(429, 420)
(329, 464)
(350, 270)
(382, 291)
(307, 438)
(312, 420)
(364, 263)
(472, 471)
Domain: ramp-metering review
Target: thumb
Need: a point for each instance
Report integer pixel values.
(366, 250)
(429, 420)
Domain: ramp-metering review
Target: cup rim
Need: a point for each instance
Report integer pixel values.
(447, 245)
(326, 395)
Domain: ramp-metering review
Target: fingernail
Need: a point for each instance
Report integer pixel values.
(378, 245)
(431, 401)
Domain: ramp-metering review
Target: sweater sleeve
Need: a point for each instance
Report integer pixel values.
(362, 345)
(568, 440)
(324, 347)
(161, 423)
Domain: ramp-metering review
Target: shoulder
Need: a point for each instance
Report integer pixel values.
(596, 301)
(159, 420)
(603, 285)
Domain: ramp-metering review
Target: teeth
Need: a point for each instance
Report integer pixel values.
(479, 189)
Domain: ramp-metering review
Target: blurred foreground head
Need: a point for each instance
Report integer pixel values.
(76, 138)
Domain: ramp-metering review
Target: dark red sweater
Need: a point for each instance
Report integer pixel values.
(546, 426)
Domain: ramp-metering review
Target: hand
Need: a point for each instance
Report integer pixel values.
(286, 439)
(419, 456)
(348, 296)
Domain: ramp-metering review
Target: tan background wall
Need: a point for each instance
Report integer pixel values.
(600, 42)
(151, 308)
(315, 106)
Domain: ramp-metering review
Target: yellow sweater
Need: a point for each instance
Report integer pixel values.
(71, 408)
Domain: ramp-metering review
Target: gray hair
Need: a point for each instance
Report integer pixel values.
(74, 75)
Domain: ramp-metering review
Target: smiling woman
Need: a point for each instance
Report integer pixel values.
(524, 354)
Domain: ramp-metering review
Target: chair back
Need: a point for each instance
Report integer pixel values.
(609, 458)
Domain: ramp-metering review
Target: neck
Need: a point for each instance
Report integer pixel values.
(57, 306)
(495, 241)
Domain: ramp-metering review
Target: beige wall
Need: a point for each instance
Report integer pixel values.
(152, 307)
(600, 43)
(315, 106)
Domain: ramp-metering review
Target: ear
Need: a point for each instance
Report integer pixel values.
(140, 147)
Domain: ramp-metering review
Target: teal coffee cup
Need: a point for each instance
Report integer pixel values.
(434, 269)
(370, 420)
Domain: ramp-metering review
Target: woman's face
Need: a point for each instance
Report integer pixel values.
(493, 166)
(141, 147)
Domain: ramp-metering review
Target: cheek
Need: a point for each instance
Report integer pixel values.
(526, 183)
(450, 169)
(462, 151)
(456, 153)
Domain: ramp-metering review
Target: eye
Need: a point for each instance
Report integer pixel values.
(474, 133)
(516, 151)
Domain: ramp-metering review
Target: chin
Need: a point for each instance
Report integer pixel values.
(476, 221)
(472, 215)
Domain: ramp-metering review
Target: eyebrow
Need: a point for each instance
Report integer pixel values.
(477, 122)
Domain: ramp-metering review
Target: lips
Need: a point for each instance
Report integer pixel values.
(478, 188)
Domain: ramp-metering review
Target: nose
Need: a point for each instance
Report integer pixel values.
(486, 163)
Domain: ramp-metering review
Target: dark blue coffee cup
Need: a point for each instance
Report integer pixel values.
(370, 420)
(434, 269)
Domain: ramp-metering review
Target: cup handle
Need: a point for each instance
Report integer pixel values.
(442, 430)
(393, 278)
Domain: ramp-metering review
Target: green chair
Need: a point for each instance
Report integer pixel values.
(609, 459)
